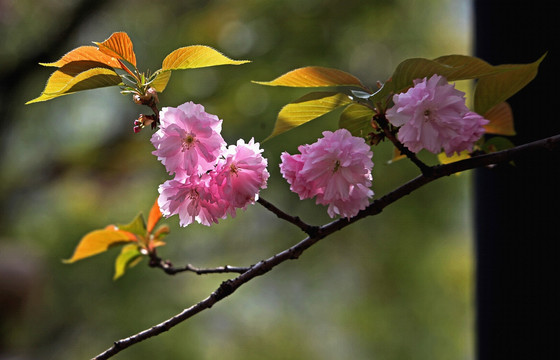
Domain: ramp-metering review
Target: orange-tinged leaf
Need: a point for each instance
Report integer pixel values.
(397, 155)
(119, 46)
(314, 76)
(197, 56)
(99, 241)
(307, 108)
(64, 83)
(501, 120)
(153, 217)
(85, 53)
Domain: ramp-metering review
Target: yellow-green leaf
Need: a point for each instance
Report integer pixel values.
(119, 46)
(444, 159)
(307, 108)
(501, 120)
(314, 76)
(493, 89)
(63, 83)
(99, 241)
(129, 256)
(160, 81)
(356, 119)
(197, 56)
(85, 53)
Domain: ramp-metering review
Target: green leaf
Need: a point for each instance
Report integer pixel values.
(74, 77)
(314, 76)
(129, 256)
(136, 226)
(452, 67)
(497, 143)
(356, 119)
(493, 89)
(99, 241)
(197, 56)
(119, 46)
(307, 108)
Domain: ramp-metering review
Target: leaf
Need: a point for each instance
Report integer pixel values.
(314, 76)
(497, 143)
(493, 89)
(85, 53)
(444, 159)
(307, 108)
(119, 46)
(397, 155)
(196, 56)
(154, 217)
(501, 120)
(356, 119)
(160, 81)
(452, 67)
(64, 82)
(136, 226)
(99, 241)
(129, 256)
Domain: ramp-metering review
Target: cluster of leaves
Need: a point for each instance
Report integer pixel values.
(113, 63)
(494, 85)
(136, 238)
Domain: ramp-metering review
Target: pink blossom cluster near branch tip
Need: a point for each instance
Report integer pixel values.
(432, 115)
(211, 180)
(336, 170)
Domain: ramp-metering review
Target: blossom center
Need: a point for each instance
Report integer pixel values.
(336, 166)
(233, 169)
(429, 114)
(188, 142)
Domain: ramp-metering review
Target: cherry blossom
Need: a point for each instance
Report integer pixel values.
(432, 115)
(336, 169)
(188, 140)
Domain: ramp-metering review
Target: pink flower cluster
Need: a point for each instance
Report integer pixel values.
(336, 170)
(432, 115)
(211, 180)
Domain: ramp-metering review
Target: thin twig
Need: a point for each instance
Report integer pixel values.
(308, 229)
(384, 124)
(376, 207)
(168, 268)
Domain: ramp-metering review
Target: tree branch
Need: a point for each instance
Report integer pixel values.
(228, 287)
(168, 268)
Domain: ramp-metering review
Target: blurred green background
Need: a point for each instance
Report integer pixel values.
(396, 286)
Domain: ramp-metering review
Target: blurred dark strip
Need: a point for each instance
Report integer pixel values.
(517, 207)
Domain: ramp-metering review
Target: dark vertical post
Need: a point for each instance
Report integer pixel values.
(517, 208)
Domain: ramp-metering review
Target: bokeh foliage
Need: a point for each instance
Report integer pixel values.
(395, 286)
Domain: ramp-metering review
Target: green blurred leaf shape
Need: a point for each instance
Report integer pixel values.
(501, 120)
(190, 57)
(78, 76)
(129, 256)
(356, 118)
(314, 76)
(136, 226)
(85, 53)
(497, 143)
(307, 108)
(119, 46)
(494, 89)
(99, 241)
